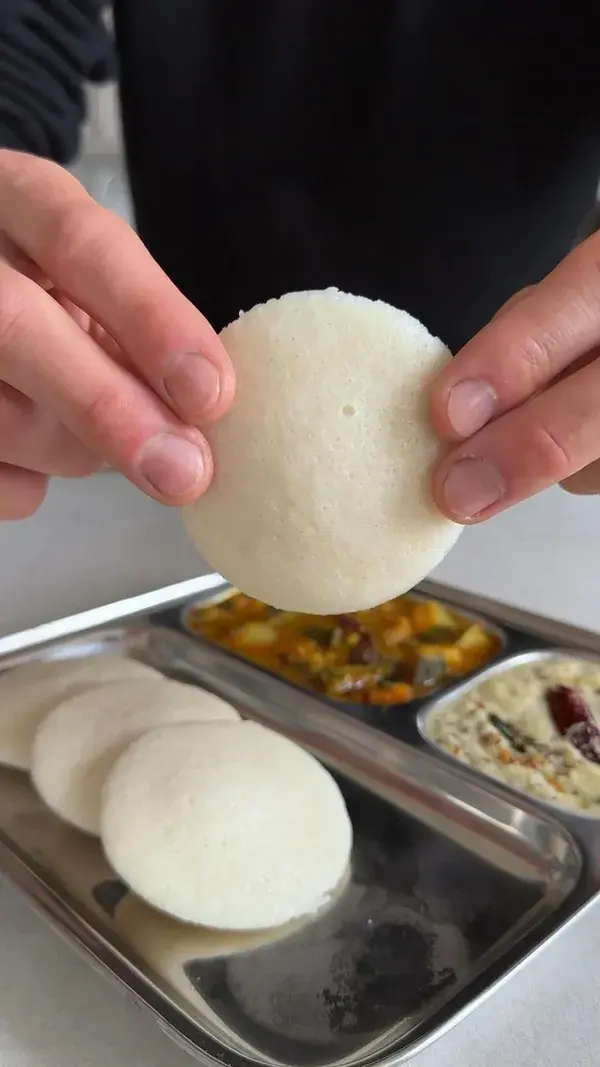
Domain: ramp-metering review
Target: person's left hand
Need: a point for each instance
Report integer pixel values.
(520, 403)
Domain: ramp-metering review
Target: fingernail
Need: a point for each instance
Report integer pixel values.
(172, 465)
(471, 486)
(470, 405)
(192, 384)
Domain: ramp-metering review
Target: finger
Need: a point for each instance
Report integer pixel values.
(45, 355)
(101, 265)
(80, 317)
(523, 349)
(585, 482)
(21, 262)
(544, 441)
(514, 300)
(21, 492)
(95, 331)
(34, 439)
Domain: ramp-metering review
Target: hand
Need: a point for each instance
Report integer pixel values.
(102, 359)
(520, 404)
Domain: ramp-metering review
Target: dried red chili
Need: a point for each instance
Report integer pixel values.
(567, 707)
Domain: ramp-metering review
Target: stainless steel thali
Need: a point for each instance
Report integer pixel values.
(456, 881)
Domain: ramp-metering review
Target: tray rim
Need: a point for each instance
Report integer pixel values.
(172, 596)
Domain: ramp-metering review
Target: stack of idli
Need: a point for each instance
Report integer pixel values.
(211, 820)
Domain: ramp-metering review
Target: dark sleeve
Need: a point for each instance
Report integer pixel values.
(48, 50)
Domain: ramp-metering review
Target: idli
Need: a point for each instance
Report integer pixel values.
(320, 501)
(30, 692)
(226, 825)
(79, 741)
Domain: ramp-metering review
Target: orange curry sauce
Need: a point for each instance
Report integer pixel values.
(389, 655)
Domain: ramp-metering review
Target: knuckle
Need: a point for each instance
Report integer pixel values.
(23, 164)
(585, 262)
(587, 256)
(13, 308)
(35, 179)
(108, 421)
(533, 361)
(514, 300)
(101, 410)
(78, 232)
(552, 456)
(11, 401)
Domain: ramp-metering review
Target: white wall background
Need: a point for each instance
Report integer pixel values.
(102, 133)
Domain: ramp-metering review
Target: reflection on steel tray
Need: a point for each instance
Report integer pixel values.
(455, 880)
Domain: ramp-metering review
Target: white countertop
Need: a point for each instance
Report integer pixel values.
(100, 541)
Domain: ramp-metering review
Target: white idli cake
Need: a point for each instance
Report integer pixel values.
(30, 692)
(227, 825)
(320, 501)
(77, 744)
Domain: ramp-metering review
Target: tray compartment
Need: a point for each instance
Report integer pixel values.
(503, 666)
(393, 717)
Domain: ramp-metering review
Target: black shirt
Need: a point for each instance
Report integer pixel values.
(438, 154)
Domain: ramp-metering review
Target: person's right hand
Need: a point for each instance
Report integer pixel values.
(102, 359)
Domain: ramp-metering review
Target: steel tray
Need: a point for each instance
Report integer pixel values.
(455, 880)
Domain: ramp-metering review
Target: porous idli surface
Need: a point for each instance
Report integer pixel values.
(76, 745)
(320, 501)
(29, 693)
(230, 826)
